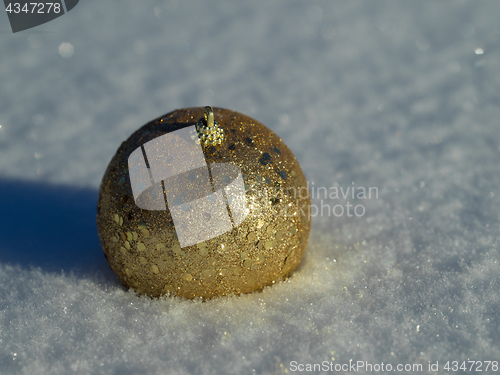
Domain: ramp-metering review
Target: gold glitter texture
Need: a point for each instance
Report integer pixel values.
(142, 247)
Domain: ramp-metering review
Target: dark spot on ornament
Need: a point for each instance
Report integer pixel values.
(232, 147)
(275, 201)
(277, 150)
(233, 131)
(207, 216)
(265, 159)
(129, 216)
(210, 150)
(249, 141)
(283, 175)
(268, 181)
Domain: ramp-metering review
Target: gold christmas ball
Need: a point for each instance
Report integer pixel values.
(203, 202)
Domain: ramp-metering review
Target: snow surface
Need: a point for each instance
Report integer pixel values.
(398, 95)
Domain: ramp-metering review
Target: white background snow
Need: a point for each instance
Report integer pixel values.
(403, 96)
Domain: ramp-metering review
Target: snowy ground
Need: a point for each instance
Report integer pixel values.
(397, 95)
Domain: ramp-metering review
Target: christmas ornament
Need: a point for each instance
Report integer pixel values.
(203, 202)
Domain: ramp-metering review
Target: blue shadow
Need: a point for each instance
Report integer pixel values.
(50, 226)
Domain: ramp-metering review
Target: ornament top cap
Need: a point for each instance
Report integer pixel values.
(209, 132)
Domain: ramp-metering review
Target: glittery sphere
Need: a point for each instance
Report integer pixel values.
(265, 210)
